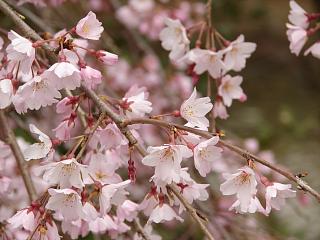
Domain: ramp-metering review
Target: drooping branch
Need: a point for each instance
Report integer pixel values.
(7, 136)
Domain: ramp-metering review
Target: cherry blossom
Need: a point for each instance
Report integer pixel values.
(298, 16)
(138, 105)
(254, 206)
(314, 50)
(66, 173)
(238, 52)
(242, 183)
(230, 89)
(6, 93)
(276, 193)
(35, 94)
(195, 109)
(21, 51)
(297, 37)
(220, 110)
(148, 229)
(24, 218)
(127, 210)
(91, 76)
(38, 150)
(166, 159)
(162, 213)
(89, 27)
(107, 58)
(67, 202)
(206, 154)
(174, 38)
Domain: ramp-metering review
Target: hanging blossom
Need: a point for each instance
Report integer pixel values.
(195, 109)
(166, 159)
(230, 89)
(20, 51)
(253, 206)
(162, 213)
(206, 155)
(6, 93)
(276, 193)
(89, 27)
(242, 183)
(298, 16)
(38, 150)
(174, 39)
(314, 50)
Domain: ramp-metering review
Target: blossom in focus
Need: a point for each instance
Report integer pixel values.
(238, 52)
(254, 206)
(35, 94)
(207, 60)
(91, 77)
(24, 218)
(127, 210)
(107, 58)
(242, 183)
(230, 89)
(89, 27)
(6, 93)
(38, 150)
(297, 37)
(206, 154)
(162, 213)
(67, 202)
(276, 194)
(166, 159)
(174, 38)
(66, 173)
(138, 105)
(298, 15)
(21, 51)
(195, 109)
(314, 50)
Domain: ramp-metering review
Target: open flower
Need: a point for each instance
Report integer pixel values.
(195, 109)
(20, 51)
(254, 206)
(166, 159)
(67, 173)
(220, 110)
(138, 105)
(206, 154)
(6, 93)
(276, 195)
(162, 213)
(238, 52)
(174, 38)
(89, 27)
(298, 16)
(230, 89)
(91, 77)
(314, 50)
(38, 150)
(297, 37)
(67, 202)
(242, 183)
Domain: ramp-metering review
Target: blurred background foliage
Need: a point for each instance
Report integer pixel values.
(283, 106)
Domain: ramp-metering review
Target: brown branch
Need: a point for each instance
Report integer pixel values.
(242, 152)
(7, 135)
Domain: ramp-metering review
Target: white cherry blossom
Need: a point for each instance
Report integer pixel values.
(230, 89)
(174, 38)
(38, 150)
(6, 93)
(254, 206)
(206, 154)
(195, 109)
(314, 50)
(298, 15)
(162, 213)
(242, 183)
(138, 105)
(297, 37)
(89, 27)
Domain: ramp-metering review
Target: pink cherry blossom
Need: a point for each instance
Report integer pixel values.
(89, 27)
(166, 159)
(63, 75)
(24, 218)
(314, 50)
(35, 94)
(21, 51)
(298, 15)
(148, 230)
(162, 213)
(6, 93)
(102, 224)
(38, 150)
(91, 77)
(207, 60)
(66, 173)
(107, 58)
(195, 109)
(138, 105)
(67, 202)
(238, 52)
(254, 206)
(174, 38)
(206, 154)
(63, 131)
(127, 211)
(47, 231)
(242, 183)
(297, 37)
(276, 194)
(220, 110)
(230, 89)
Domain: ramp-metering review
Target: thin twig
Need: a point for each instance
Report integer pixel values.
(7, 135)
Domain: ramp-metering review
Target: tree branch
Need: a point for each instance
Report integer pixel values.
(7, 135)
